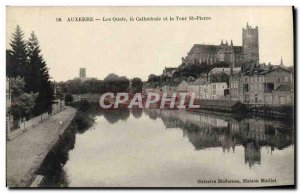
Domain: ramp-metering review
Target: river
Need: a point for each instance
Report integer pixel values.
(176, 148)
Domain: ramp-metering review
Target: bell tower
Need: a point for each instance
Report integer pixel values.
(250, 45)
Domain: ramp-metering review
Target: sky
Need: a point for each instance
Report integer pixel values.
(141, 48)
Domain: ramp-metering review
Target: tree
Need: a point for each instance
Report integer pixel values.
(17, 55)
(137, 85)
(32, 72)
(114, 83)
(22, 103)
(154, 80)
(37, 77)
(68, 98)
(25, 60)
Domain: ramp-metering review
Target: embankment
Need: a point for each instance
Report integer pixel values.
(26, 152)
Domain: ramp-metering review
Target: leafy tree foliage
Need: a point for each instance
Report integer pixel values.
(22, 103)
(68, 98)
(137, 85)
(112, 83)
(25, 60)
(154, 81)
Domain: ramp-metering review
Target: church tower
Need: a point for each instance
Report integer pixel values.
(250, 44)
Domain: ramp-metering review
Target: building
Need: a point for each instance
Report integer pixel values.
(225, 70)
(213, 91)
(168, 88)
(250, 44)
(195, 86)
(233, 55)
(263, 86)
(82, 73)
(235, 87)
(182, 87)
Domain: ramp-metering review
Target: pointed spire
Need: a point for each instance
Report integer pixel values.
(247, 25)
(226, 43)
(231, 43)
(222, 42)
(281, 62)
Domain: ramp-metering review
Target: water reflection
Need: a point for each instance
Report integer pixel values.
(114, 115)
(52, 166)
(168, 148)
(210, 131)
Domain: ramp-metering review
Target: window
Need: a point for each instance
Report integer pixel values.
(269, 87)
(286, 79)
(245, 88)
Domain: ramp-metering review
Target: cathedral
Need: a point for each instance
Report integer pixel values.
(227, 52)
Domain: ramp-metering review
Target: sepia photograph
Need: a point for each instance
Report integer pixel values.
(150, 97)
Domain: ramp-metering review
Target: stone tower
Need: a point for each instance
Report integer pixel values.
(250, 45)
(82, 73)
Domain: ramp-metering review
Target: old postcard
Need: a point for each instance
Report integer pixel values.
(128, 97)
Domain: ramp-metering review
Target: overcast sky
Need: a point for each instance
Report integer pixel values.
(137, 49)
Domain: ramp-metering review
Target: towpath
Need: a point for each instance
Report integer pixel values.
(25, 153)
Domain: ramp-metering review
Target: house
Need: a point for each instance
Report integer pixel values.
(213, 91)
(195, 86)
(182, 87)
(235, 87)
(270, 86)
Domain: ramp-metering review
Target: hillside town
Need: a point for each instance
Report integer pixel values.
(241, 78)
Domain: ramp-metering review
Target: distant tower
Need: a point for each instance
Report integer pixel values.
(250, 44)
(281, 62)
(82, 73)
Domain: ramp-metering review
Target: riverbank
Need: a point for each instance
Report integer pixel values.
(26, 152)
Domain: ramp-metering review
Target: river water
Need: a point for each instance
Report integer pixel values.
(176, 148)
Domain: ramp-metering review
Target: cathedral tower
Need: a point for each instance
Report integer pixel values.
(250, 44)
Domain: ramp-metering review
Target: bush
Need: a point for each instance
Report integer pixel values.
(83, 121)
(69, 98)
